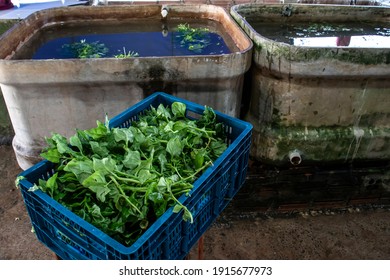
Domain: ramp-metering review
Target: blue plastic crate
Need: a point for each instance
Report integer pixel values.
(71, 237)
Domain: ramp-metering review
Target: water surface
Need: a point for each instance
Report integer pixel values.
(326, 34)
(140, 38)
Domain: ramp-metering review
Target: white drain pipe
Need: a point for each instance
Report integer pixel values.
(295, 157)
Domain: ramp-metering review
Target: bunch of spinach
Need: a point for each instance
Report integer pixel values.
(194, 39)
(122, 179)
(83, 49)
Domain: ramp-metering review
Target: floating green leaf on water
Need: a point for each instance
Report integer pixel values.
(194, 39)
(83, 49)
(95, 49)
(125, 54)
(122, 179)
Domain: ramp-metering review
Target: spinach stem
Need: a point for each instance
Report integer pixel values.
(207, 164)
(128, 177)
(129, 180)
(124, 195)
(178, 202)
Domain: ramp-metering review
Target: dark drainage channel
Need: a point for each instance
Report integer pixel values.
(288, 191)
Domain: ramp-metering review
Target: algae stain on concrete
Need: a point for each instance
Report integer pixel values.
(6, 24)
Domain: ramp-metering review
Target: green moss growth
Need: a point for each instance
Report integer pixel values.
(323, 143)
(6, 24)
